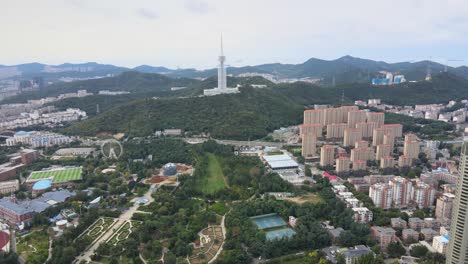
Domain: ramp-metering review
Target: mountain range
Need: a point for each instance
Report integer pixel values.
(346, 69)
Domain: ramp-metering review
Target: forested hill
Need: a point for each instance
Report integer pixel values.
(441, 89)
(254, 112)
(250, 114)
(133, 82)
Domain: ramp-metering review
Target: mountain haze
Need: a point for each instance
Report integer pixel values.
(344, 70)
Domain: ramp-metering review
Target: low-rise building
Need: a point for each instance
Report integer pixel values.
(82, 152)
(440, 243)
(384, 235)
(409, 235)
(17, 211)
(398, 223)
(9, 186)
(9, 171)
(429, 233)
(352, 255)
(416, 223)
(362, 215)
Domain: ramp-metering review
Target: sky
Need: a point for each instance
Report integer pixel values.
(186, 33)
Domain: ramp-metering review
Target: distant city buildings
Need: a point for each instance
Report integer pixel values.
(38, 139)
(107, 92)
(35, 118)
(388, 78)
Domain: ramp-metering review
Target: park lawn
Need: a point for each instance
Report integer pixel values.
(214, 180)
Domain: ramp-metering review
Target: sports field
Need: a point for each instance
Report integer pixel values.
(273, 225)
(268, 221)
(59, 175)
(280, 233)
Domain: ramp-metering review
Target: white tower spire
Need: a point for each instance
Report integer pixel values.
(222, 50)
(221, 70)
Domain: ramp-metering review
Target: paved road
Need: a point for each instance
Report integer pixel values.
(223, 228)
(127, 215)
(239, 142)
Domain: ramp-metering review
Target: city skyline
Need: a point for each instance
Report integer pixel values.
(183, 33)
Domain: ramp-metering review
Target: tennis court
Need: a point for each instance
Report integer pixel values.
(57, 175)
(280, 233)
(268, 221)
(273, 225)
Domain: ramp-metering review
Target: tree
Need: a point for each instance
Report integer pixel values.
(340, 259)
(170, 258)
(8, 258)
(346, 239)
(418, 251)
(395, 250)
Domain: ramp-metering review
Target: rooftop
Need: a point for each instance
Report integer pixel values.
(36, 205)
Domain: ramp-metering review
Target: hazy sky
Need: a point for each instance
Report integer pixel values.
(185, 33)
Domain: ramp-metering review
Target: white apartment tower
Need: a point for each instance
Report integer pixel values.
(458, 245)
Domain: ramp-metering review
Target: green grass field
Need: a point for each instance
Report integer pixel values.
(64, 175)
(214, 180)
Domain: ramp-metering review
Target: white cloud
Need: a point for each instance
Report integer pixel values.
(146, 13)
(197, 6)
(186, 32)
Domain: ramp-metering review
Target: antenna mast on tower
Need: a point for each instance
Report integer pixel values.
(429, 71)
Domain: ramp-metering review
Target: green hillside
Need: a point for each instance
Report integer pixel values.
(133, 82)
(250, 114)
(441, 89)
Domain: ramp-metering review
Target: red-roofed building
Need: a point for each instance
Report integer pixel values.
(4, 241)
(329, 176)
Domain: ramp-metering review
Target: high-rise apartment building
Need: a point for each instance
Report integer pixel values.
(362, 154)
(392, 130)
(401, 191)
(327, 155)
(382, 195)
(387, 162)
(336, 131)
(367, 129)
(309, 145)
(377, 117)
(361, 144)
(355, 117)
(444, 206)
(389, 139)
(313, 116)
(343, 164)
(383, 150)
(359, 165)
(404, 161)
(351, 136)
(396, 130)
(316, 129)
(457, 251)
(411, 148)
(423, 194)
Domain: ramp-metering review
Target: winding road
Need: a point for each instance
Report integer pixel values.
(127, 215)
